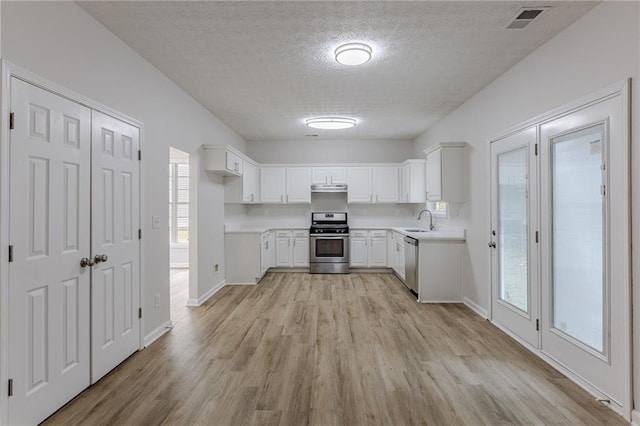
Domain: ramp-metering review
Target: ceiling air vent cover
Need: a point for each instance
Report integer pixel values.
(525, 16)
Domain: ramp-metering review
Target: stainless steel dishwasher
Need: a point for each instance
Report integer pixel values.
(411, 263)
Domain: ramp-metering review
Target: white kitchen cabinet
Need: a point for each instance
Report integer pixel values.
(222, 160)
(385, 184)
(298, 188)
(300, 257)
(248, 256)
(412, 182)
(249, 183)
(446, 173)
(272, 184)
(243, 189)
(329, 175)
(358, 254)
(360, 184)
(396, 254)
(377, 249)
(267, 251)
(368, 248)
(440, 271)
(292, 249)
(283, 249)
(372, 184)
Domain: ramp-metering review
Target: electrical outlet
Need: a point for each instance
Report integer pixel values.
(157, 301)
(216, 268)
(155, 222)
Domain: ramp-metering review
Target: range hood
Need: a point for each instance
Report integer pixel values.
(325, 187)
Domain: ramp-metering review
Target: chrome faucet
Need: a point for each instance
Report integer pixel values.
(431, 227)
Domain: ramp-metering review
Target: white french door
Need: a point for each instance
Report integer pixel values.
(49, 313)
(73, 231)
(115, 289)
(560, 242)
(514, 257)
(584, 230)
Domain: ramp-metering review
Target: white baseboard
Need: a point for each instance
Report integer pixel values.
(438, 301)
(157, 333)
(635, 418)
(476, 308)
(199, 301)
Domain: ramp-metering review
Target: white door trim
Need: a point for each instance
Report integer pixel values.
(622, 89)
(10, 70)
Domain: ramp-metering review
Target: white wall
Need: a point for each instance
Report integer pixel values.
(62, 43)
(597, 51)
(315, 150)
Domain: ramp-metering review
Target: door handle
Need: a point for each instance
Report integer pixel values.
(100, 258)
(492, 244)
(86, 261)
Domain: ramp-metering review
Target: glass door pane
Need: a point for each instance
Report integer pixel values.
(578, 217)
(512, 228)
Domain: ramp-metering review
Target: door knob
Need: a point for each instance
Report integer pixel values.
(492, 244)
(86, 261)
(100, 258)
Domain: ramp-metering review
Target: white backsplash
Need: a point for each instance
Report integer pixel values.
(299, 215)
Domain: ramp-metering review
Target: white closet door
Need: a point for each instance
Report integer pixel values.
(115, 289)
(49, 231)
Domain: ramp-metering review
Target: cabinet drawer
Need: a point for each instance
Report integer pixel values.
(378, 233)
(358, 233)
(301, 234)
(283, 234)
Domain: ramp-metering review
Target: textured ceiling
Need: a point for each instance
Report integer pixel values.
(265, 67)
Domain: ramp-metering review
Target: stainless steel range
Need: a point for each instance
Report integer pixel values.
(329, 243)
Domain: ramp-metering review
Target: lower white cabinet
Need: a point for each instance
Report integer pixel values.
(248, 256)
(368, 248)
(292, 249)
(396, 253)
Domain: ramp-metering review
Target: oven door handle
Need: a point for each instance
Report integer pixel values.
(330, 237)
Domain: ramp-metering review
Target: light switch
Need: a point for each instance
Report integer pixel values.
(155, 222)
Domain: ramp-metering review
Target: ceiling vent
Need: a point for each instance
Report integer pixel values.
(525, 16)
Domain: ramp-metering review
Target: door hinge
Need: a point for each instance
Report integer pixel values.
(139, 155)
(139, 234)
(536, 236)
(603, 190)
(10, 389)
(10, 253)
(537, 325)
(10, 121)
(535, 148)
(139, 312)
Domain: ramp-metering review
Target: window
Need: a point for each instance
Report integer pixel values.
(438, 208)
(179, 203)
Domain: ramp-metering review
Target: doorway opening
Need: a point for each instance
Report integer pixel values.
(179, 194)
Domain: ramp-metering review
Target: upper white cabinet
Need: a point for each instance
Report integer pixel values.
(250, 183)
(360, 185)
(272, 184)
(298, 185)
(385, 184)
(285, 185)
(329, 175)
(446, 173)
(372, 184)
(243, 189)
(412, 182)
(222, 160)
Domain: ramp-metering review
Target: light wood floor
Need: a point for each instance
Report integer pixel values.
(352, 349)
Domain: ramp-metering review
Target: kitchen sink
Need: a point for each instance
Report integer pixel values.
(415, 230)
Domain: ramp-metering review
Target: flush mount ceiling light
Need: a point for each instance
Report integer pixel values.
(353, 54)
(331, 123)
